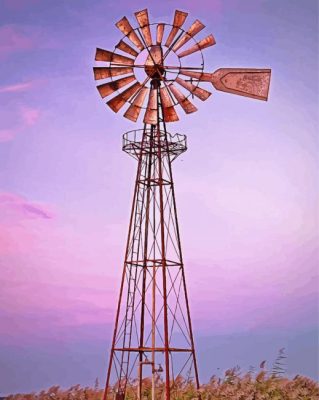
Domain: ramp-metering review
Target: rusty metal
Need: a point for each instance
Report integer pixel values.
(153, 307)
(201, 76)
(109, 56)
(108, 72)
(159, 33)
(182, 100)
(155, 56)
(144, 23)
(169, 113)
(126, 48)
(108, 88)
(125, 27)
(201, 45)
(154, 62)
(179, 19)
(133, 145)
(135, 108)
(195, 90)
(196, 27)
(150, 349)
(163, 252)
(246, 82)
(150, 116)
(118, 101)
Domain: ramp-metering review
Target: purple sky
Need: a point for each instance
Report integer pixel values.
(247, 191)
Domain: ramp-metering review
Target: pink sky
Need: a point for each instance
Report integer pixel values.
(247, 189)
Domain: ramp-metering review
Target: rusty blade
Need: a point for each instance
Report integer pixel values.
(134, 109)
(107, 72)
(155, 56)
(201, 76)
(179, 19)
(108, 88)
(118, 101)
(206, 42)
(192, 31)
(169, 112)
(159, 33)
(105, 55)
(249, 82)
(126, 48)
(126, 28)
(195, 90)
(150, 116)
(154, 59)
(144, 23)
(187, 106)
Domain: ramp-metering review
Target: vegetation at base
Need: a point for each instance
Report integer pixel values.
(233, 386)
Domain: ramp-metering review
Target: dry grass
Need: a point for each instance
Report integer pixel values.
(233, 386)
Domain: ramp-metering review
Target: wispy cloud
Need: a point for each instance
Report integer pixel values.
(21, 222)
(24, 38)
(13, 39)
(17, 87)
(36, 211)
(6, 135)
(30, 115)
(18, 5)
(15, 207)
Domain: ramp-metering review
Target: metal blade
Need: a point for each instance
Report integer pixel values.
(159, 33)
(179, 19)
(107, 72)
(118, 101)
(126, 28)
(201, 76)
(249, 82)
(206, 42)
(105, 55)
(108, 88)
(150, 116)
(144, 23)
(192, 31)
(134, 109)
(169, 112)
(154, 58)
(126, 48)
(195, 90)
(187, 106)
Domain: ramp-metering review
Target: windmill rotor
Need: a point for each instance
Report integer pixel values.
(157, 41)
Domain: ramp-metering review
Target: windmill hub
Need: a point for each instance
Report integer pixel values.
(156, 71)
(154, 64)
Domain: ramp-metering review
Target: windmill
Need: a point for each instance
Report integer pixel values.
(154, 70)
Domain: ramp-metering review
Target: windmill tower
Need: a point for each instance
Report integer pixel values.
(152, 72)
